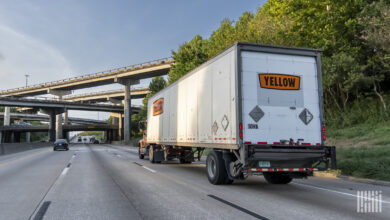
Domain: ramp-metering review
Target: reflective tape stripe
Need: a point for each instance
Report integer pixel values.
(281, 169)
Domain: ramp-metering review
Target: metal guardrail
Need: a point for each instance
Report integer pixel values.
(102, 73)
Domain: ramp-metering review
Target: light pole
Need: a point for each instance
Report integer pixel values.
(26, 78)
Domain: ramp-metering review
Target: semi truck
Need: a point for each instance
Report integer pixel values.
(258, 109)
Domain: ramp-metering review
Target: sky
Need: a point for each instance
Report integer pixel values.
(51, 40)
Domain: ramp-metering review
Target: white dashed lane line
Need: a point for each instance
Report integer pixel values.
(151, 170)
(145, 167)
(68, 166)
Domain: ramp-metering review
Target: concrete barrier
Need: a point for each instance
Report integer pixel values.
(10, 148)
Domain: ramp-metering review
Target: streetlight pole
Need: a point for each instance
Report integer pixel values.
(26, 78)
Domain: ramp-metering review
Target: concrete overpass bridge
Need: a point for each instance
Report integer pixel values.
(127, 76)
(120, 75)
(12, 134)
(46, 118)
(114, 96)
(54, 108)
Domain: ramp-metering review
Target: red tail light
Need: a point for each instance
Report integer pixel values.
(241, 135)
(323, 133)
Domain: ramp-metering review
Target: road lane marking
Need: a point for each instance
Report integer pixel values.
(44, 205)
(255, 215)
(151, 170)
(63, 173)
(335, 191)
(23, 158)
(145, 167)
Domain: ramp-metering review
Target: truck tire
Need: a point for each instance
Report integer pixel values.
(140, 155)
(215, 168)
(277, 178)
(151, 154)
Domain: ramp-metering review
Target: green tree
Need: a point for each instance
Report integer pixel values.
(188, 57)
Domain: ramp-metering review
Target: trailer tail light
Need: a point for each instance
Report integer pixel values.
(323, 133)
(241, 135)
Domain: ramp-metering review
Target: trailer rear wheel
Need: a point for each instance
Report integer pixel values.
(277, 178)
(215, 166)
(151, 154)
(140, 155)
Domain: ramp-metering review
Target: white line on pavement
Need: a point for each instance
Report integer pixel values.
(334, 191)
(64, 171)
(151, 170)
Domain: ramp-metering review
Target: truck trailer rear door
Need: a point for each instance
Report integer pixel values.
(280, 99)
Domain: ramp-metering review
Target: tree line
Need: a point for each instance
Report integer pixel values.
(354, 36)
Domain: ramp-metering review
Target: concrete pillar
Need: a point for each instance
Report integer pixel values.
(120, 127)
(12, 137)
(127, 108)
(59, 132)
(52, 126)
(7, 116)
(66, 117)
(59, 94)
(28, 137)
(127, 112)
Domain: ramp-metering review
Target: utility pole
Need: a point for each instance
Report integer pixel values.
(26, 78)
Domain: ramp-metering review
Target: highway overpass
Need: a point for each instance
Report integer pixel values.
(55, 108)
(12, 134)
(46, 118)
(105, 96)
(126, 76)
(134, 72)
(55, 104)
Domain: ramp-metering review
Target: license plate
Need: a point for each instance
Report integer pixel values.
(264, 164)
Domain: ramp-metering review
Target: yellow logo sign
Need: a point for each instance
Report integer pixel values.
(279, 81)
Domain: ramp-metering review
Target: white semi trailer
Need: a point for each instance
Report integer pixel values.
(258, 107)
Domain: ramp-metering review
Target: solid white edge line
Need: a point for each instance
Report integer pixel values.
(343, 193)
(151, 170)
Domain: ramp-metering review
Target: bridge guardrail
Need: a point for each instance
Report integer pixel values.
(101, 73)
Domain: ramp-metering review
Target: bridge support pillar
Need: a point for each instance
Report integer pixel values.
(59, 94)
(28, 137)
(127, 108)
(120, 127)
(66, 117)
(7, 116)
(52, 126)
(59, 131)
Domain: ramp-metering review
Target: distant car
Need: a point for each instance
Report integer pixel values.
(21, 123)
(61, 144)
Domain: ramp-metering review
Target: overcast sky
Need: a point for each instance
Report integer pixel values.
(52, 40)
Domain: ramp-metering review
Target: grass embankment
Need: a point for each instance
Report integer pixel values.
(363, 150)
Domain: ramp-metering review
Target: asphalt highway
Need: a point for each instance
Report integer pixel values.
(110, 182)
